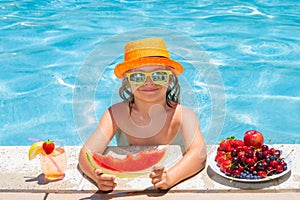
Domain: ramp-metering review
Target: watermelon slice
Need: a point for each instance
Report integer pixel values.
(130, 166)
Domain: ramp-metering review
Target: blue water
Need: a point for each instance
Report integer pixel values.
(252, 46)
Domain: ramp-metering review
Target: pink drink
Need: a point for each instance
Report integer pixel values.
(54, 165)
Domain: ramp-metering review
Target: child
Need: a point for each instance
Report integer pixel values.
(149, 115)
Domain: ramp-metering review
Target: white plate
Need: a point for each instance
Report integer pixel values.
(216, 169)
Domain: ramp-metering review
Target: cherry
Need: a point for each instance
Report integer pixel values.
(236, 173)
(270, 170)
(249, 153)
(250, 161)
(266, 153)
(252, 169)
(262, 174)
(277, 153)
(234, 153)
(228, 171)
(242, 159)
(283, 163)
(235, 160)
(260, 166)
(279, 168)
(255, 158)
(264, 147)
(241, 168)
(272, 151)
(259, 155)
(274, 163)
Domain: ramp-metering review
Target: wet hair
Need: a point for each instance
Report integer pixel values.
(172, 94)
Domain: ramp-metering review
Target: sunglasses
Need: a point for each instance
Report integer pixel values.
(159, 77)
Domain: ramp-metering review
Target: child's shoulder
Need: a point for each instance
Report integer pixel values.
(119, 109)
(119, 105)
(186, 112)
(184, 108)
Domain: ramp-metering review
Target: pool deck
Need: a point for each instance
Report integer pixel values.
(21, 178)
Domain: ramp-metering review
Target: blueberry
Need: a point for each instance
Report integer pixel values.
(272, 157)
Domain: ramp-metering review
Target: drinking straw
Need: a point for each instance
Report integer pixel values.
(34, 139)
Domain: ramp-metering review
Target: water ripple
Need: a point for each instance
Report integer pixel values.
(267, 47)
(247, 10)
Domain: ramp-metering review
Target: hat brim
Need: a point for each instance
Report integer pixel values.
(123, 67)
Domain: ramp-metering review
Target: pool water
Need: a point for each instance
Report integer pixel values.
(253, 45)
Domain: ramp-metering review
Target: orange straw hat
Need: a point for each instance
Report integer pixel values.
(149, 51)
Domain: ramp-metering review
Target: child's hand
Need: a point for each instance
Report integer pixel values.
(105, 182)
(160, 178)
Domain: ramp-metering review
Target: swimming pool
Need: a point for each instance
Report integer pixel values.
(254, 45)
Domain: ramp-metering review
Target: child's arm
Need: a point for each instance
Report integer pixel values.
(98, 142)
(193, 160)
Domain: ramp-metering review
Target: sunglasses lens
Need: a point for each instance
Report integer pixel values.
(160, 77)
(137, 78)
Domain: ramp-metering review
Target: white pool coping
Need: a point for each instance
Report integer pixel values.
(19, 175)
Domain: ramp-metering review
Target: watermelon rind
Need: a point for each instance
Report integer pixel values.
(125, 174)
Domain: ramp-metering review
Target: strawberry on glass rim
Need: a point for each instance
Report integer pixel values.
(48, 147)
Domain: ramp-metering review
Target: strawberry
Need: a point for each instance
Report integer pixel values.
(225, 146)
(48, 147)
(236, 143)
(226, 164)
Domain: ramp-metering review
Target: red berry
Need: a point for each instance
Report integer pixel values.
(279, 168)
(264, 147)
(255, 158)
(274, 163)
(272, 151)
(249, 153)
(270, 170)
(225, 165)
(228, 171)
(236, 143)
(241, 168)
(48, 147)
(277, 153)
(246, 148)
(225, 146)
(260, 155)
(236, 173)
(242, 159)
(266, 153)
(251, 169)
(283, 163)
(219, 154)
(220, 160)
(250, 161)
(262, 174)
(234, 152)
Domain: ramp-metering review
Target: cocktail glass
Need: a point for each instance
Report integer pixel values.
(54, 165)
